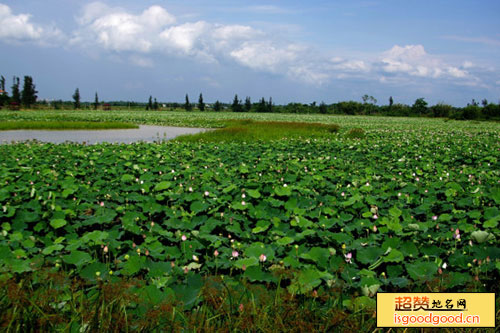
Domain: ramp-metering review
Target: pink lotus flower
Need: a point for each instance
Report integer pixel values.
(235, 254)
(348, 257)
(184, 238)
(102, 204)
(241, 307)
(435, 217)
(216, 253)
(457, 234)
(105, 249)
(375, 217)
(262, 258)
(374, 228)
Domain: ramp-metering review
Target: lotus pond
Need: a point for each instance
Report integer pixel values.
(409, 210)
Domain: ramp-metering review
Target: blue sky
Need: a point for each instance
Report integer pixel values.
(294, 51)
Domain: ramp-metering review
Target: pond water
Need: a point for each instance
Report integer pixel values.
(146, 133)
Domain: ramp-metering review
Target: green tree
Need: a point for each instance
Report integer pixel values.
(441, 110)
(201, 104)
(369, 99)
(419, 107)
(96, 101)
(248, 104)
(187, 104)
(262, 106)
(149, 106)
(322, 108)
(236, 106)
(16, 96)
(270, 105)
(391, 101)
(155, 105)
(217, 106)
(4, 97)
(76, 99)
(28, 95)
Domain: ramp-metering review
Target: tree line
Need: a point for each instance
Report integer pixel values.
(27, 98)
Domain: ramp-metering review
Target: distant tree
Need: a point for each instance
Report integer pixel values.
(76, 99)
(2, 84)
(4, 97)
(391, 101)
(217, 106)
(473, 103)
(96, 101)
(484, 102)
(201, 104)
(369, 99)
(322, 108)
(187, 105)
(16, 96)
(236, 106)
(470, 112)
(28, 95)
(419, 107)
(270, 105)
(149, 106)
(441, 110)
(155, 105)
(248, 104)
(491, 111)
(262, 106)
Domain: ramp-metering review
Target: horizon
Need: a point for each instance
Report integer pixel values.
(321, 51)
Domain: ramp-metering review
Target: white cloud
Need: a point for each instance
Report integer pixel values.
(413, 60)
(156, 31)
(265, 55)
(19, 28)
(309, 75)
(341, 64)
(185, 36)
(116, 30)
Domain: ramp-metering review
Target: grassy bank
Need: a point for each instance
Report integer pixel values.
(248, 130)
(63, 125)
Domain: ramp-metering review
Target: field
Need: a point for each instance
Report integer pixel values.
(296, 233)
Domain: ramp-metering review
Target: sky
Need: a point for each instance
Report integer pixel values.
(293, 51)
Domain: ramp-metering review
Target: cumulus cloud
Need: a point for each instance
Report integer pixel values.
(156, 30)
(116, 30)
(413, 60)
(20, 28)
(349, 65)
(265, 55)
(143, 36)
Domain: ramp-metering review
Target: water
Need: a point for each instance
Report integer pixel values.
(144, 133)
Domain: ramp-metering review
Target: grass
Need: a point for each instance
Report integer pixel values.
(51, 300)
(63, 125)
(248, 130)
